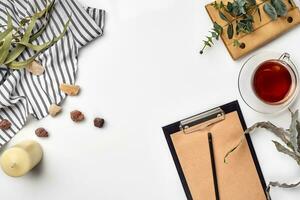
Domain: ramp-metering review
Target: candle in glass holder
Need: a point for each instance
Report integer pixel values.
(21, 158)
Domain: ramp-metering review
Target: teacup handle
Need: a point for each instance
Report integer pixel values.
(286, 57)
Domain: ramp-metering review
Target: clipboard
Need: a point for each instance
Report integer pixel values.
(241, 178)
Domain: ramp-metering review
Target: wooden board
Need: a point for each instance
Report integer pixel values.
(265, 30)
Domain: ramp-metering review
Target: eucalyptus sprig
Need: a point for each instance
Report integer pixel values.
(239, 15)
(215, 34)
(15, 40)
(290, 145)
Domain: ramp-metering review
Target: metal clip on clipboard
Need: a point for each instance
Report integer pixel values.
(204, 120)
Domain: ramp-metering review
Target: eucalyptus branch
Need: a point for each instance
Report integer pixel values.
(239, 16)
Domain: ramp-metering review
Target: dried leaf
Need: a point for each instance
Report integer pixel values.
(279, 132)
(18, 50)
(293, 131)
(284, 185)
(281, 185)
(298, 137)
(35, 47)
(35, 68)
(286, 151)
(4, 50)
(9, 28)
(22, 64)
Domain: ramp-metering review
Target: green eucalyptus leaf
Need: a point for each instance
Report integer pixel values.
(280, 7)
(214, 34)
(209, 39)
(229, 7)
(270, 10)
(222, 16)
(230, 31)
(218, 28)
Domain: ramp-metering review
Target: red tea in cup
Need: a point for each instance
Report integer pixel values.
(273, 82)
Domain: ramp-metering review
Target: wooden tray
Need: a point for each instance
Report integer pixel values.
(265, 30)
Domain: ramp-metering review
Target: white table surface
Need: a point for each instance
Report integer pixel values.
(144, 73)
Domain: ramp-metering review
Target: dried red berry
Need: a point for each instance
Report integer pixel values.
(41, 132)
(77, 116)
(98, 122)
(5, 124)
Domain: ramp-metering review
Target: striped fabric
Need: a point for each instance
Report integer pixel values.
(23, 94)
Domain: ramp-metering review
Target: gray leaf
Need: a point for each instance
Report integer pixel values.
(270, 10)
(286, 151)
(281, 185)
(293, 130)
(280, 7)
(279, 132)
(298, 137)
(284, 185)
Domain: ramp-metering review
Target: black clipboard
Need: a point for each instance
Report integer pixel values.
(175, 127)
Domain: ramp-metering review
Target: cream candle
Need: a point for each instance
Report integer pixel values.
(21, 158)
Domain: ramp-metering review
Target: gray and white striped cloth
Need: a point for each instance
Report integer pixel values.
(23, 94)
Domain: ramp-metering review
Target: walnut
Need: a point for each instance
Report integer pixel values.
(77, 116)
(5, 124)
(71, 90)
(98, 122)
(41, 132)
(54, 110)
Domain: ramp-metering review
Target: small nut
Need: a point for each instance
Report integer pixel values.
(71, 90)
(54, 110)
(35, 68)
(41, 132)
(98, 122)
(5, 124)
(77, 116)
